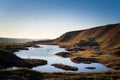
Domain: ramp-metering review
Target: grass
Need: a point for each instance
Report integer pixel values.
(8, 59)
(109, 75)
(20, 74)
(85, 54)
(28, 74)
(109, 61)
(13, 46)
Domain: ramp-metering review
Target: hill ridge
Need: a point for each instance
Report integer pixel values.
(108, 36)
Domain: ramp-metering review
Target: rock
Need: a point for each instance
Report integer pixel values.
(90, 68)
(63, 54)
(64, 67)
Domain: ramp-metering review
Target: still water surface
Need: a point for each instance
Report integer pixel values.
(47, 52)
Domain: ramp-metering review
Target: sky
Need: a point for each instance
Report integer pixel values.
(48, 19)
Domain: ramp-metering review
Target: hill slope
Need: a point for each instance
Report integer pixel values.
(107, 36)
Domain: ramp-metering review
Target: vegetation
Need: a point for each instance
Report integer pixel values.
(12, 47)
(8, 59)
(83, 43)
(63, 54)
(87, 56)
(106, 36)
(65, 67)
(28, 74)
(88, 45)
(20, 74)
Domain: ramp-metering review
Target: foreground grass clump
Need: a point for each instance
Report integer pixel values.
(108, 75)
(28, 74)
(20, 74)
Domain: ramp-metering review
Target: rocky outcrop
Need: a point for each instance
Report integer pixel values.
(65, 67)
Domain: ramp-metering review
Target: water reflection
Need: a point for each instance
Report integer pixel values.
(47, 52)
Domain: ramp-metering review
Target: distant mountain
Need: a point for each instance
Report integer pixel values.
(107, 36)
(14, 40)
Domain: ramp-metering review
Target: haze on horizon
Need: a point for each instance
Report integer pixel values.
(51, 18)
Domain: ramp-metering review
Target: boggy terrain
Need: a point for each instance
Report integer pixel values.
(8, 59)
(100, 44)
(92, 45)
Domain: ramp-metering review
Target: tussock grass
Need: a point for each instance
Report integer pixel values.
(85, 54)
(109, 61)
(28, 74)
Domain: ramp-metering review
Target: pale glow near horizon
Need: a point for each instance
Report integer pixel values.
(49, 19)
(39, 29)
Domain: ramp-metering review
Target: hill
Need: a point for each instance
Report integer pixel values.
(14, 40)
(107, 36)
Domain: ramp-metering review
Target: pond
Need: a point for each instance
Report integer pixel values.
(47, 52)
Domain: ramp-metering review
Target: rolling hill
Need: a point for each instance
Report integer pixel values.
(14, 40)
(107, 36)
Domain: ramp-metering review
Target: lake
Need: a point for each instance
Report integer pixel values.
(47, 52)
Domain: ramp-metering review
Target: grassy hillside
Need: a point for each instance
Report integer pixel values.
(107, 36)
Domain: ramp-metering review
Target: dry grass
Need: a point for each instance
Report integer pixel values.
(28, 74)
(109, 61)
(85, 54)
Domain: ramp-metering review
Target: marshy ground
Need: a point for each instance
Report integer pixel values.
(83, 56)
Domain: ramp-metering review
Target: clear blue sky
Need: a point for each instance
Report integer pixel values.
(51, 18)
